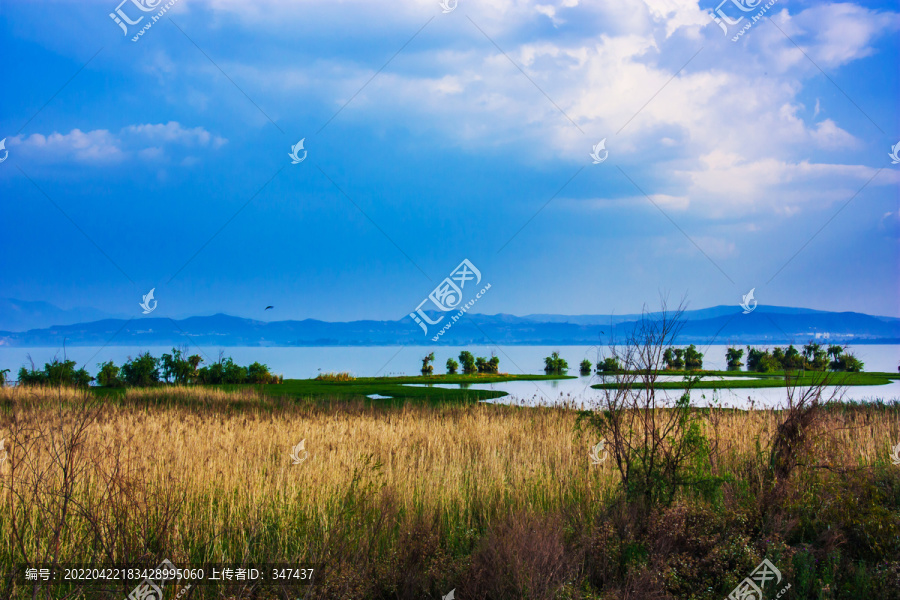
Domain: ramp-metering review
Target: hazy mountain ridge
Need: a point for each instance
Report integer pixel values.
(21, 315)
(720, 324)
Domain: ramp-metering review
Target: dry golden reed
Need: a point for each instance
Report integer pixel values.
(228, 456)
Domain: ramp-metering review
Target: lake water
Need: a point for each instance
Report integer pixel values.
(298, 363)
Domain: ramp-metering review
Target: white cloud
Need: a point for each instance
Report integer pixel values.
(174, 132)
(95, 147)
(728, 134)
(100, 146)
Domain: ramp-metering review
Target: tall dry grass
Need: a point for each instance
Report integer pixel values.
(196, 474)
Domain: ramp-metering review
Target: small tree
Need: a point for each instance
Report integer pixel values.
(847, 361)
(167, 365)
(554, 365)
(452, 366)
(610, 364)
(109, 375)
(585, 367)
(815, 356)
(792, 360)
(669, 358)
(259, 373)
(480, 364)
(467, 360)
(734, 356)
(678, 361)
(693, 360)
(427, 367)
(656, 445)
(483, 365)
(835, 352)
(142, 371)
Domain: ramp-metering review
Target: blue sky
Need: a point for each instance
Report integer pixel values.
(761, 163)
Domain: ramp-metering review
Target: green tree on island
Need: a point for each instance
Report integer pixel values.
(693, 359)
(554, 365)
(585, 368)
(452, 366)
(734, 356)
(484, 365)
(427, 367)
(673, 358)
(609, 364)
(467, 360)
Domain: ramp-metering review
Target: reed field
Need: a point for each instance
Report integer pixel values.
(413, 500)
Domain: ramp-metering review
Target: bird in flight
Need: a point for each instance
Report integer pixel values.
(268, 307)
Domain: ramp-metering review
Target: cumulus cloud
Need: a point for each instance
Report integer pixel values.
(726, 128)
(175, 133)
(97, 147)
(101, 147)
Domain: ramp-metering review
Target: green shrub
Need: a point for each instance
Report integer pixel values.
(452, 366)
(108, 376)
(56, 373)
(142, 371)
(467, 360)
(554, 365)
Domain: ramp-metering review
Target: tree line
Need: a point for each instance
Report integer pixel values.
(470, 364)
(146, 370)
(812, 357)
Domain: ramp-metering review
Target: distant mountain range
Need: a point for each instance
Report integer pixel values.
(718, 324)
(20, 315)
